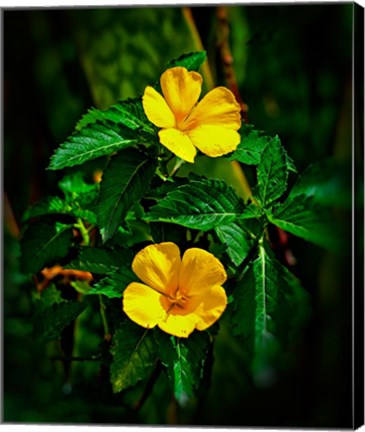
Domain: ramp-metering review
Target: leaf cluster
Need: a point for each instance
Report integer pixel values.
(97, 226)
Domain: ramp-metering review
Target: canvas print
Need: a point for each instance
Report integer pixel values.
(179, 189)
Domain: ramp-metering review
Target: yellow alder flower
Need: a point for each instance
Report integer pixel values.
(210, 125)
(178, 294)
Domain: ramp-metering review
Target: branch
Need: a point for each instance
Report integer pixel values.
(227, 58)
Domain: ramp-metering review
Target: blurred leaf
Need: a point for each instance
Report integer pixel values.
(114, 284)
(99, 260)
(191, 61)
(162, 232)
(128, 113)
(270, 309)
(49, 205)
(91, 142)
(134, 356)
(43, 242)
(184, 360)
(50, 320)
(201, 204)
(327, 182)
(120, 59)
(56, 205)
(302, 217)
(272, 173)
(74, 185)
(81, 286)
(253, 143)
(126, 179)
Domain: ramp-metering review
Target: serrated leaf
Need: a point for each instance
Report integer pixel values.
(91, 142)
(251, 147)
(201, 204)
(272, 173)
(56, 205)
(49, 205)
(100, 260)
(43, 243)
(237, 239)
(128, 113)
(184, 360)
(134, 356)
(114, 284)
(125, 181)
(270, 310)
(191, 61)
(50, 321)
(302, 217)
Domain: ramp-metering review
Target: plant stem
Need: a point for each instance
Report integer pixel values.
(86, 238)
(207, 73)
(227, 58)
(177, 165)
(107, 335)
(84, 231)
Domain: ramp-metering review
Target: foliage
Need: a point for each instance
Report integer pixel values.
(140, 191)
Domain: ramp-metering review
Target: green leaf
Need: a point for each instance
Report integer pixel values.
(237, 239)
(251, 147)
(272, 173)
(201, 204)
(100, 260)
(91, 142)
(191, 61)
(302, 217)
(134, 356)
(50, 205)
(125, 181)
(56, 205)
(81, 286)
(270, 310)
(50, 321)
(184, 360)
(74, 185)
(327, 182)
(128, 113)
(43, 243)
(114, 284)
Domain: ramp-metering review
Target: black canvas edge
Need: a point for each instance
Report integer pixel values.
(358, 217)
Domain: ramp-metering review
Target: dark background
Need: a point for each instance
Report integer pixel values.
(293, 68)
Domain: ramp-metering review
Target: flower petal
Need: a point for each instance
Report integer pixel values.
(143, 305)
(199, 272)
(179, 325)
(214, 141)
(211, 307)
(178, 143)
(181, 90)
(156, 109)
(158, 266)
(218, 107)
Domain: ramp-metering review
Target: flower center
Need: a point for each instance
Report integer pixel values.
(178, 299)
(185, 122)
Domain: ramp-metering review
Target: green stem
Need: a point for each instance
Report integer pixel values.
(83, 230)
(86, 238)
(179, 162)
(103, 317)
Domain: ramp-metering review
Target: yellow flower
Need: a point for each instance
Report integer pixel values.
(178, 295)
(211, 125)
